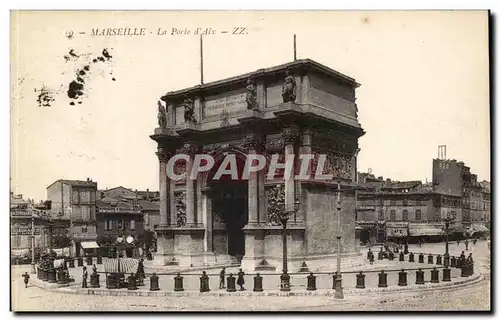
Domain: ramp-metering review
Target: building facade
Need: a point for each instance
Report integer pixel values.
(75, 201)
(300, 107)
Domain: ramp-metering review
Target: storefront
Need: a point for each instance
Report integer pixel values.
(396, 232)
(425, 232)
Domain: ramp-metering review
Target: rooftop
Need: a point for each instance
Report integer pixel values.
(72, 182)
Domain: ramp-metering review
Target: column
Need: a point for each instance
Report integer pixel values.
(171, 204)
(304, 89)
(262, 218)
(170, 114)
(198, 108)
(290, 135)
(191, 204)
(261, 95)
(207, 213)
(253, 194)
(305, 149)
(164, 186)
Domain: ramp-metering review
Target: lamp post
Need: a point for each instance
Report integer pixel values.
(50, 235)
(33, 270)
(284, 216)
(338, 288)
(447, 220)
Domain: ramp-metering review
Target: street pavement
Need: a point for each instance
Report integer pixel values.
(471, 297)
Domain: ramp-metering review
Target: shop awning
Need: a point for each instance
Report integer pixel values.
(125, 265)
(477, 228)
(21, 252)
(89, 245)
(427, 230)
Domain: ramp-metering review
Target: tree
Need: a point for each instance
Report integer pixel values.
(146, 240)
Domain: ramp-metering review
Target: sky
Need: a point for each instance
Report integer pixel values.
(424, 82)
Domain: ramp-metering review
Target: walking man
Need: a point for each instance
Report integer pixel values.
(222, 278)
(458, 241)
(241, 280)
(466, 244)
(474, 241)
(26, 277)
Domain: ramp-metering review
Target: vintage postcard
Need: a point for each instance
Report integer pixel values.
(250, 161)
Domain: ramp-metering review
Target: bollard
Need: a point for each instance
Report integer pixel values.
(401, 257)
(463, 270)
(178, 283)
(204, 285)
(131, 282)
(334, 281)
(231, 283)
(80, 261)
(257, 283)
(111, 281)
(434, 275)
(420, 258)
(52, 275)
(99, 259)
(311, 282)
(360, 280)
(411, 258)
(446, 260)
(453, 262)
(419, 276)
(406, 248)
(45, 274)
(153, 284)
(439, 260)
(430, 259)
(382, 279)
(380, 255)
(402, 278)
(391, 256)
(471, 269)
(38, 273)
(60, 276)
(446, 274)
(71, 263)
(94, 280)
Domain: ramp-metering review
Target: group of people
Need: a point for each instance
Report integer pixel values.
(240, 281)
(474, 241)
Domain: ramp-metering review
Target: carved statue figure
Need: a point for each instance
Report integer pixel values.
(251, 97)
(162, 115)
(276, 204)
(289, 89)
(189, 111)
(181, 211)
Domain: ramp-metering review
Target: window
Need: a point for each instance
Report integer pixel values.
(419, 202)
(132, 225)
(109, 225)
(393, 215)
(380, 215)
(120, 224)
(418, 215)
(405, 203)
(405, 215)
(75, 196)
(393, 202)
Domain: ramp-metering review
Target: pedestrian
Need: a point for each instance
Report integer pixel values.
(241, 280)
(84, 277)
(466, 244)
(26, 277)
(470, 258)
(474, 241)
(222, 278)
(458, 241)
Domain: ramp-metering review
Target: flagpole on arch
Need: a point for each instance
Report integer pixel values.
(201, 59)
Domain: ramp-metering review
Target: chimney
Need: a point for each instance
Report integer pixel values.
(380, 178)
(388, 179)
(147, 194)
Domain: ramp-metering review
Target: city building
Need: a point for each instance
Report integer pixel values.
(301, 106)
(453, 177)
(119, 220)
(75, 200)
(48, 233)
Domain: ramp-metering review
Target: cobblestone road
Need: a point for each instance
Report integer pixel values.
(472, 297)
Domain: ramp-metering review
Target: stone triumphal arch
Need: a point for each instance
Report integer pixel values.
(297, 108)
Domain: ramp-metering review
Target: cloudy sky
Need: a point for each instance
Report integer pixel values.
(424, 78)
